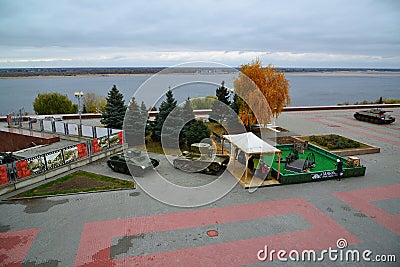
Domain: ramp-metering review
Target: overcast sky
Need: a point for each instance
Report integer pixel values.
(90, 33)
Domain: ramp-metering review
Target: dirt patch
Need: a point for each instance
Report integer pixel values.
(286, 140)
(79, 182)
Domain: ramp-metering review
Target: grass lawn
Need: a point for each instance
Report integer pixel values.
(79, 181)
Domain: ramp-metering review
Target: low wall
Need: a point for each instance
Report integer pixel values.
(21, 183)
(17, 139)
(351, 151)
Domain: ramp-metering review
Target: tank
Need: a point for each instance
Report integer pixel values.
(201, 158)
(374, 115)
(133, 162)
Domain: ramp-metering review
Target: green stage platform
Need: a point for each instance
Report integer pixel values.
(324, 167)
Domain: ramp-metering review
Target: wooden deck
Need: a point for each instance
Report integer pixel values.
(238, 170)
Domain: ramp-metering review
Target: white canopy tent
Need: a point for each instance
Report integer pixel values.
(250, 144)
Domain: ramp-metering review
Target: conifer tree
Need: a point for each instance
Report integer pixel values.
(196, 132)
(114, 111)
(134, 124)
(166, 107)
(219, 108)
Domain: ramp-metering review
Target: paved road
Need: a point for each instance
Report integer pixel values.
(129, 227)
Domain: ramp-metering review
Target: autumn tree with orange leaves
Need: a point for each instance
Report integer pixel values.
(253, 79)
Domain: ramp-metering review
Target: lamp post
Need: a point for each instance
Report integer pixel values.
(79, 96)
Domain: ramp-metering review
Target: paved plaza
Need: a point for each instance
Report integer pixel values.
(131, 228)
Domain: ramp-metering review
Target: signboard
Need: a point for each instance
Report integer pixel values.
(82, 150)
(95, 146)
(34, 165)
(100, 132)
(3, 175)
(22, 169)
(103, 142)
(116, 139)
(70, 153)
(323, 175)
(47, 125)
(87, 131)
(73, 129)
(54, 159)
(59, 127)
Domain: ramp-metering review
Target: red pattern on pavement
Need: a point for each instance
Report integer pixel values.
(94, 247)
(363, 127)
(14, 246)
(363, 133)
(361, 200)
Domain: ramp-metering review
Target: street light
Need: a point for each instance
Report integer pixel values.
(79, 95)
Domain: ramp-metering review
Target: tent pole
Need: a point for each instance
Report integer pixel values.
(279, 164)
(247, 165)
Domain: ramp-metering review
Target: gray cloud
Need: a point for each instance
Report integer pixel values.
(108, 33)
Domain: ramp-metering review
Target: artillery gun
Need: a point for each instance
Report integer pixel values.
(374, 115)
(132, 162)
(202, 158)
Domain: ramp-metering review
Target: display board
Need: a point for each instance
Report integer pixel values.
(47, 126)
(54, 159)
(73, 129)
(30, 166)
(87, 130)
(95, 145)
(70, 153)
(59, 127)
(100, 132)
(115, 139)
(3, 175)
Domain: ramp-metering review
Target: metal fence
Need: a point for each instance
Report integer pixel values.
(65, 128)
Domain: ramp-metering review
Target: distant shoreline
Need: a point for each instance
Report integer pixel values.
(308, 74)
(73, 76)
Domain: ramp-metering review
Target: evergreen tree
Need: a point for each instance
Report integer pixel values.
(114, 111)
(145, 115)
(188, 119)
(143, 112)
(165, 108)
(171, 132)
(134, 124)
(219, 107)
(187, 111)
(197, 131)
(223, 94)
(235, 105)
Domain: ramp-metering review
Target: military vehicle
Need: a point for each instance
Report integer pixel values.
(202, 158)
(132, 162)
(374, 115)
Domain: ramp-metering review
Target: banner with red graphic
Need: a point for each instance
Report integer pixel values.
(3, 175)
(22, 169)
(121, 138)
(95, 146)
(82, 150)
